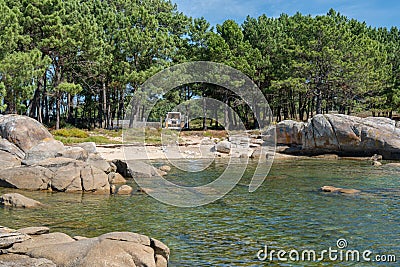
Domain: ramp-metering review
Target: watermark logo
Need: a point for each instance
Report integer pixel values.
(338, 253)
(203, 74)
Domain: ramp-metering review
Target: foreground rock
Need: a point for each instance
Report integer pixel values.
(58, 249)
(18, 201)
(343, 135)
(332, 189)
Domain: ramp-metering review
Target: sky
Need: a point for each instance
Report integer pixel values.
(374, 12)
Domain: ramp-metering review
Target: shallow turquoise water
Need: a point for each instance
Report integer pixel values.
(286, 212)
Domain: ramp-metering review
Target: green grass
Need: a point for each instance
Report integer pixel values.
(70, 136)
(108, 133)
(72, 132)
(98, 139)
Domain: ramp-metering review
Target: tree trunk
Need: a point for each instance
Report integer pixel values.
(58, 106)
(318, 103)
(104, 107)
(204, 114)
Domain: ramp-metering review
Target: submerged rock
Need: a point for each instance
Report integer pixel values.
(376, 163)
(124, 190)
(165, 168)
(333, 189)
(392, 165)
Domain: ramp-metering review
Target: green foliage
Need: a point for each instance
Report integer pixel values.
(80, 61)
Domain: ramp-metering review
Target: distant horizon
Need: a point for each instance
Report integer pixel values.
(374, 13)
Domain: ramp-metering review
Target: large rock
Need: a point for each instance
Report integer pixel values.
(223, 147)
(90, 147)
(15, 260)
(68, 178)
(61, 174)
(9, 237)
(122, 168)
(111, 249)
(39, 230)
(26, 177)
(46, 162)
(44, 150)
(80, 176)
(54, 164)
(22, 131)
(139, 169)
(352, 136)
(320, 136)
(289, 132)
(100, 163)
(18, 201)
(94, 179)
(8, 160)
(9, 147)
(50, 239)
(77, 153)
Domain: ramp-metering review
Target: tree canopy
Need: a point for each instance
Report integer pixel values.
(79, 62)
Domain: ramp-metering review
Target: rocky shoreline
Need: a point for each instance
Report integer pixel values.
(342, 135)
(31, 159)
(37, 246)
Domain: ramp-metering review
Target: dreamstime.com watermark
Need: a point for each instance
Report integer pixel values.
(338, 253)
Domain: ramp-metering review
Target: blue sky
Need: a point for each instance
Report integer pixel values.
(374, 13)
